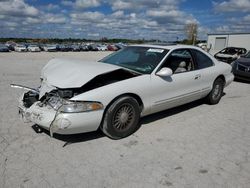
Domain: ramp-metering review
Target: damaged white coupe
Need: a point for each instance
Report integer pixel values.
(114, 93)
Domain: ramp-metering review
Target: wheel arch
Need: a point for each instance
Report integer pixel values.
(135, 96)
(221, 77)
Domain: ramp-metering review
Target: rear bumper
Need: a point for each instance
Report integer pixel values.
(61, 123)
(241, 75)
(229, 79)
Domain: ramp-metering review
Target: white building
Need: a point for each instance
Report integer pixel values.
(217, 42)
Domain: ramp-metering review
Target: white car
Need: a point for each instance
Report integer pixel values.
(51, 48)
(33, 48)
(230, 54)
(113, 94)
(20, 48)
(102, 48)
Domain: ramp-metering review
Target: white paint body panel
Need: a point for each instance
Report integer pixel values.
(64, 73)
(157, 93)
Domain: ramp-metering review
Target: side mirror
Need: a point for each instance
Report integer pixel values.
(164, 72)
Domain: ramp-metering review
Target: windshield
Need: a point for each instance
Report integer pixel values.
(140, 59)
(233, 51)
(248, 55)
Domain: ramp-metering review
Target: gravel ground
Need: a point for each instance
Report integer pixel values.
(195, 145)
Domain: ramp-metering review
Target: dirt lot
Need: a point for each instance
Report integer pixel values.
(196, 145)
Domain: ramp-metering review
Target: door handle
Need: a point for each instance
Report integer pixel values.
(197, 77)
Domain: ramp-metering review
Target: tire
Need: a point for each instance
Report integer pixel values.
(121, 118)
(217, 91)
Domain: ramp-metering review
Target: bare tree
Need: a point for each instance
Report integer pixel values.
(191, 32)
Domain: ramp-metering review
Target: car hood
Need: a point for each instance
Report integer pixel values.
(225, 55)
(63, 73)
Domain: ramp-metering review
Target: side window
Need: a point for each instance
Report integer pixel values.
(202, 60)
(180, 61)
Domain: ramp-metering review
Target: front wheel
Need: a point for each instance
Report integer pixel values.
(217, 91)
(121, 118)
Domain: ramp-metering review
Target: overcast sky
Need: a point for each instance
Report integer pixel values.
(137, 19)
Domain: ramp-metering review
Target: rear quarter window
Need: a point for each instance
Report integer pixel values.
(202, 60)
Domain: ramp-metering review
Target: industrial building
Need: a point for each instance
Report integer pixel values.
(217, 42)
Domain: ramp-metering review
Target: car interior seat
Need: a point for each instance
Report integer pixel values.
(181, 67)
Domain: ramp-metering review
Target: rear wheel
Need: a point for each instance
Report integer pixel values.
(215, 95)
(122, 118)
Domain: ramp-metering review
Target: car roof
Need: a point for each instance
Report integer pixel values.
(167, 47)
(233, 48)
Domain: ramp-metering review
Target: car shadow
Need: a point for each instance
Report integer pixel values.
(170, 112)
(241, 81)
(83, 137)
(73, 138)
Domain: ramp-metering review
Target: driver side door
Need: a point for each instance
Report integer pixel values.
(182, 87)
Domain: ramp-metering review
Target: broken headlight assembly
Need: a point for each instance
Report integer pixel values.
(79, 106)
(68, 106)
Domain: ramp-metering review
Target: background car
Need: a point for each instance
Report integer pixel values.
(112, 47)
(76, 48)
(120, 46)
(241, 67)
(102, 47)
(202, 45)
(51, 48)
(84, 47)
(33, 48)
(230, 54)
(11, 45)
(112, 94)
(93, 47)
(4, 48)
(65, 48)
(20, 48)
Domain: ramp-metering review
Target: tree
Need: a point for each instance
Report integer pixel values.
(191, 32)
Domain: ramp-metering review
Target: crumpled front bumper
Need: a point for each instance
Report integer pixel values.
(57, 122)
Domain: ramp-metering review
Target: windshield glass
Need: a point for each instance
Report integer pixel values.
(233, 51)
(230, 51)
(140, 59)
(248, 55)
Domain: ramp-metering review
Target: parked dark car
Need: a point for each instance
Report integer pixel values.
(3, 48)
(65, 48)
(41, 46)
(93, 47)
(11, 45)
(241, 67)
(230, 54)
(11, 48)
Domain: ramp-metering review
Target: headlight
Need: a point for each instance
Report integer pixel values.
(79, 106)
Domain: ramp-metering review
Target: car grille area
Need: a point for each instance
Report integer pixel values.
(243, 68)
